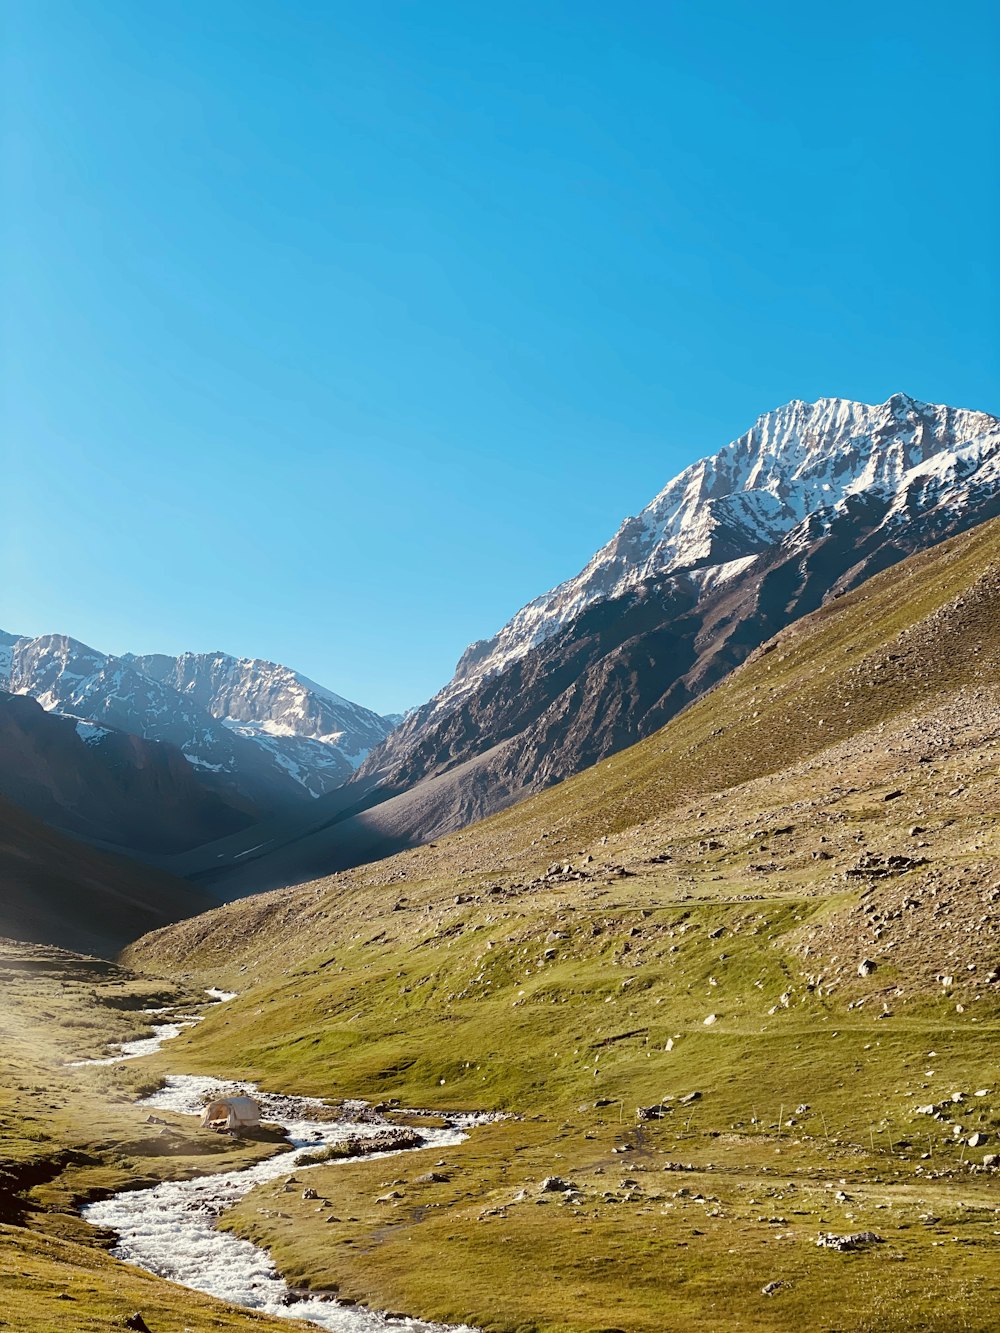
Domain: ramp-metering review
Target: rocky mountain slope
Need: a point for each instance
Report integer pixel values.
(253, 731)
(918, 640)
(810, 502)
(105, 785)
(801, 460)
(738, 986)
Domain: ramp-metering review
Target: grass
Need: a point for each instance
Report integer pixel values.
(72, 1134)
(636, 1246)
(547, 1000)
(724, 869)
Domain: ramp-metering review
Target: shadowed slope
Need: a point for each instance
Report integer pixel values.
(54, 890)
(106, 785)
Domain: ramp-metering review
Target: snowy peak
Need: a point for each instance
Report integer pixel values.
(271, 699)
(807, 504)
(256, 726)
(794, 462)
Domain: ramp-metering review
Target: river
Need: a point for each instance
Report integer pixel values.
(169, 1229)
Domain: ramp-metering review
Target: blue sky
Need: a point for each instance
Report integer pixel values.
(334, 332)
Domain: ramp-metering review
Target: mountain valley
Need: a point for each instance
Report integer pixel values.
(681, 596)
(722, 959)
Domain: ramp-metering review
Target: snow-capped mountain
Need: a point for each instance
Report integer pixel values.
(254, 728)
(317, 736)
(797, 461)
(808, 503)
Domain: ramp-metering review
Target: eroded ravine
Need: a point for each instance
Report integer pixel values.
(169, 1229)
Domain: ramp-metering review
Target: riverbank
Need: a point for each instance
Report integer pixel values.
(150, 1184)
(72, 1134)
(171, 1228)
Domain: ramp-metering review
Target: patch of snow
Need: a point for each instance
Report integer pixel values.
(714, 575)
(250, 850)
(90, 733)
(197, 761)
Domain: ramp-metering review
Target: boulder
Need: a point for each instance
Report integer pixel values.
(556, 1185)
(855, 1240)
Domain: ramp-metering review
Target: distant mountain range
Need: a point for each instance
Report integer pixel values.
(810, 502)
(256, 736)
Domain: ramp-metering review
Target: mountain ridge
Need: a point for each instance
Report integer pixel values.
(675, 531)
(917, 474)
(250, 728)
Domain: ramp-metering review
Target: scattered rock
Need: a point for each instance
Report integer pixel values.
(855, 1240)
(656, 1112)
(395, 1139)
(556, 1185)
(136, 1323)
(873, 866)
(712, 1018)
(770, 1288)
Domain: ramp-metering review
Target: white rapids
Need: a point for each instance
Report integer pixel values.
(134, 1050)
(140, 1046)
(169, 1229)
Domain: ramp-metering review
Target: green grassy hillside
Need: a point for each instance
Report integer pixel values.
(787, 902)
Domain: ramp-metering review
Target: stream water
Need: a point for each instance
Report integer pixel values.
(169, 1229)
